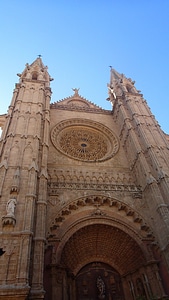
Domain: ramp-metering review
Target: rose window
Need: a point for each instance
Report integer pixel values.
(84, 142)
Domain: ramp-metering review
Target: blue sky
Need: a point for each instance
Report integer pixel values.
(79, 40)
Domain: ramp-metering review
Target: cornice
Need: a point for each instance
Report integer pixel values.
(83, 109)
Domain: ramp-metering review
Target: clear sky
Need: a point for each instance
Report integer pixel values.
(79, 40)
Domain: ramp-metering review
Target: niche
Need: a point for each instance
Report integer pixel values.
(34, 76)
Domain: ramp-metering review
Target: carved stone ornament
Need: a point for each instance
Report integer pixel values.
(9, 218)
(98, 212)
(101, 288)
(84, 140)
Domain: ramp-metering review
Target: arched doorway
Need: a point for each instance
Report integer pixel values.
(103, 243)
(98, 254)
(98, 281)
(117, 240)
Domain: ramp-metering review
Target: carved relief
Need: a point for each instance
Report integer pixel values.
(101, 288)
(79, 180)
(78, 103)
(100, 201)
(54, 186)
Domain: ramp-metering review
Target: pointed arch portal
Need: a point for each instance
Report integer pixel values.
(99, 255)
(99, 252)
(103, 243)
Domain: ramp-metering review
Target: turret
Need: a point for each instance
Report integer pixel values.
(23, 168)
(145, 145)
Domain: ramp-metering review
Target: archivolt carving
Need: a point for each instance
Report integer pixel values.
(100, 201)
(84, 140)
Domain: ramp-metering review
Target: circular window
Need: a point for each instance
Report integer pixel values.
(84, 140)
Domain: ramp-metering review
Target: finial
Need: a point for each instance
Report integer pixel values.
(110, 67)
(39, 55)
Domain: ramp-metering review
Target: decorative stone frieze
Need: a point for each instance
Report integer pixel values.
(54, 186)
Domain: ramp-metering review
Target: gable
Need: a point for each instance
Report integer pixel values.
(77, 102)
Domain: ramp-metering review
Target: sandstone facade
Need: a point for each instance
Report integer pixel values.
(84, 195)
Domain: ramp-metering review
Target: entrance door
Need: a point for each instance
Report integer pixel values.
(98, 281)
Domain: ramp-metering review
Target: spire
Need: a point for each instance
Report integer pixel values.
(119, 85)
(36, 72)
(115, 76)
(114, 89)
(38, 61)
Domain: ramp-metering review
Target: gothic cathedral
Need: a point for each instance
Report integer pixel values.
(84, 195)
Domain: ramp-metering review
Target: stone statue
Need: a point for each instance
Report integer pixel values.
(76, 91)
(111, 90)
(10, 207)
(101, 288)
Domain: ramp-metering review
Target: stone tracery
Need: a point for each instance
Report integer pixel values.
(84, 140)
(83, 144)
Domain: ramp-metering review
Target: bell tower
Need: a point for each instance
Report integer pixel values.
(146, 148)
(23, 184)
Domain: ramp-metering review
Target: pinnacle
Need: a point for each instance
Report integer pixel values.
(38, 61)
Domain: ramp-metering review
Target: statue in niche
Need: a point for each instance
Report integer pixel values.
(101, 288)
(10, 207)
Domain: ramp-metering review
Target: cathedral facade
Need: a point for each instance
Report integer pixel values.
(84, 195)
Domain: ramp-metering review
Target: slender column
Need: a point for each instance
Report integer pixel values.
(39, 239)
(39, 242)
(26, 240)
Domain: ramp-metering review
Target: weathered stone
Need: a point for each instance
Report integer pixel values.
(84, 195)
